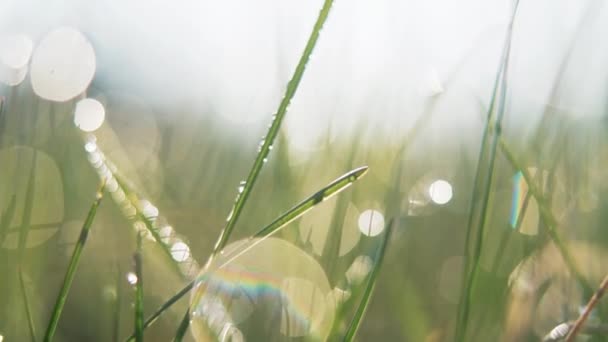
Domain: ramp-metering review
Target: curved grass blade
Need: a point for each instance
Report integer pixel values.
(369, 288)
(470, 272)
(292, 214)
(71, 271)
(139, 293)
(273, 130)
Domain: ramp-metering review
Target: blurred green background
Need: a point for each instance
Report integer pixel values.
(185, 108)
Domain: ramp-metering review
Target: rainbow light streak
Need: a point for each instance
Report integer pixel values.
(520, 189)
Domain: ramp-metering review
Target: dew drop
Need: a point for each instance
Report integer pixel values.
(230, 214)
(180, 251)
(132, 278)
(90, 147)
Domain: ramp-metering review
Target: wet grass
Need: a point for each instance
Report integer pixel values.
(72, 267)
(402, 297)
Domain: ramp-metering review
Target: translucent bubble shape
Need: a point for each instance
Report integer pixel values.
(272, 292)
(15, 52)
(63, 65)
(31, 196)
(89, 115)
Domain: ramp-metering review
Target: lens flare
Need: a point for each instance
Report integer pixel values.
(272, 292)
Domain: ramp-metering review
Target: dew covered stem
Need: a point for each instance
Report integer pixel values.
(72, 266)
(273, 130)
(297, 211)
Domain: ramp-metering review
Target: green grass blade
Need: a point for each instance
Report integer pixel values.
(73, 265)
(147, 222)
(7, 218)
(470, 272)
(297, 211)
(28, 308)
(292, 214)
(547, 216)
(369, 288)
(301, 208)
(277, 119)
(164, 307)
(183, 327)
(139, 292)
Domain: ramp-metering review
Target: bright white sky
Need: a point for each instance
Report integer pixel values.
(381, 61)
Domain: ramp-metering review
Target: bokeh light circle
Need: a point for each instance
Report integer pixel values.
(15, 50)
(89, 115)
(273, 291)
(371, 222)
(63, 65)
(440, 191)
(20, 167)
(180, 251)
(15, 53)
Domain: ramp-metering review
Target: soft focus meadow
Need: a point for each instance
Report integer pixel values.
(449, 160)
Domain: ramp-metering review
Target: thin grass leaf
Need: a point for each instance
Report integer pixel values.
(28, 308)
(182, 328)
(369, 288)
(580, 321)
(547, 217)
(273, 130)
(122, 183)
(300, 209)
(7, 218)
(544, 210)
(475, 255)
(73, 265)
(139, 292)
(165, 307)
(331, 250)
(292, 214)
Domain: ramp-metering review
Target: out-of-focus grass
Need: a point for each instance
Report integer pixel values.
(521, 289)
(73, 266)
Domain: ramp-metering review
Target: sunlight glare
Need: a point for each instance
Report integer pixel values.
(371, 222)
(440, 191)
(89, 115)
(63, 65)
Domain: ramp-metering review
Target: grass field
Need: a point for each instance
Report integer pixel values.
(131, 209)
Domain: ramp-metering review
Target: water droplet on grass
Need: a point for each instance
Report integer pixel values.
(132, 278)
